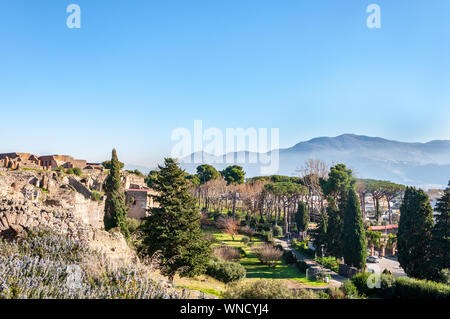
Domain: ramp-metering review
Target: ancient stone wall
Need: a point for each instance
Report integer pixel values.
(20, 217)
(67, 192)
(138, 203)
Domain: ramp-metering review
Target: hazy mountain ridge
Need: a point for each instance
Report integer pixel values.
(369, 157)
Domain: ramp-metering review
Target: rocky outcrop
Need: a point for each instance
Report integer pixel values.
(19, 217)
(31, 200)
(50, 189)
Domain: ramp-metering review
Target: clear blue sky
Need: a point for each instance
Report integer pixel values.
(138, 69)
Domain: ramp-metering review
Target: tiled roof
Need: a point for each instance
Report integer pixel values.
(387, 227)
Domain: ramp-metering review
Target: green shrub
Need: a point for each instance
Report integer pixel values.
(360, 281)
(444, 276)
(263, 227)
(133, 224)
(96, 196)
(302, 247)
(410, 288)
(309, 294)
(336, 293)
(260, 289)
(245, 240)
(388, 286)
(267, 236)
(289, 258)
(242, 252)
(302, 266)
(226, 271)
(349, 289)
(387, 272)
(328, 262)
(401, 287)
(277, 231)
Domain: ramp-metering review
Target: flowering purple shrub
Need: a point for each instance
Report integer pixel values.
(51, 266)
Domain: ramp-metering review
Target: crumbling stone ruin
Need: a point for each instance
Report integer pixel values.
(49, 189)
(138, 196)
(31, 200)
(47, 162)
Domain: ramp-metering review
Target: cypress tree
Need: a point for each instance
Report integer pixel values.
(115, 206)
(335, 229)
(354, 249)
(302, 217)
(173, 228)
(440, 245)
(414, 233)
(320, 233)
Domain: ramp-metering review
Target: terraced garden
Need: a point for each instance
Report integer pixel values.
(255, 269)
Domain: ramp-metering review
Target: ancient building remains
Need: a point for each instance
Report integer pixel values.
(47, 162)
(139, 202)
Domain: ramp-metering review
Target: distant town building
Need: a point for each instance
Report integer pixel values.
(387, 229)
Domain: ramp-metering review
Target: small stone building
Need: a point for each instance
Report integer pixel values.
(139, 201)
(65, 161)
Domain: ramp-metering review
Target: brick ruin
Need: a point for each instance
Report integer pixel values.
(138, 196)
(47, 162)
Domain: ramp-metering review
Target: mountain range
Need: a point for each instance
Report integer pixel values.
(418, 164)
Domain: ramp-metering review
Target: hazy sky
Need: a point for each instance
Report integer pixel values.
(136, 70)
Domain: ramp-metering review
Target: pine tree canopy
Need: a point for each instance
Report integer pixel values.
(173, 228)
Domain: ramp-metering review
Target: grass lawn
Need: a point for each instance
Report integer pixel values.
(203, 283)
(256, 270)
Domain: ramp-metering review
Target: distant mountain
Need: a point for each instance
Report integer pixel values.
(369, 157)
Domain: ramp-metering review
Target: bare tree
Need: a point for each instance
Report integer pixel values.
(311, 173)
(229, 225)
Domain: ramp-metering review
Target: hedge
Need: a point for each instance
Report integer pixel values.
(401, 287)
(226, 271)
(410, 288)
(302, 266)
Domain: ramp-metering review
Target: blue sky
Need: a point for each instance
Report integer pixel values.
(136, 70)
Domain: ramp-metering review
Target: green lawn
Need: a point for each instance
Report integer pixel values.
(256, 270)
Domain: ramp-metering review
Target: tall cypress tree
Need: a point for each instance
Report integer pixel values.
(173, 228)
(354, 249)
(414, 233)
(440, 245)
(115, 206)
(335, 229)
(302, 217)
(320, 233)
